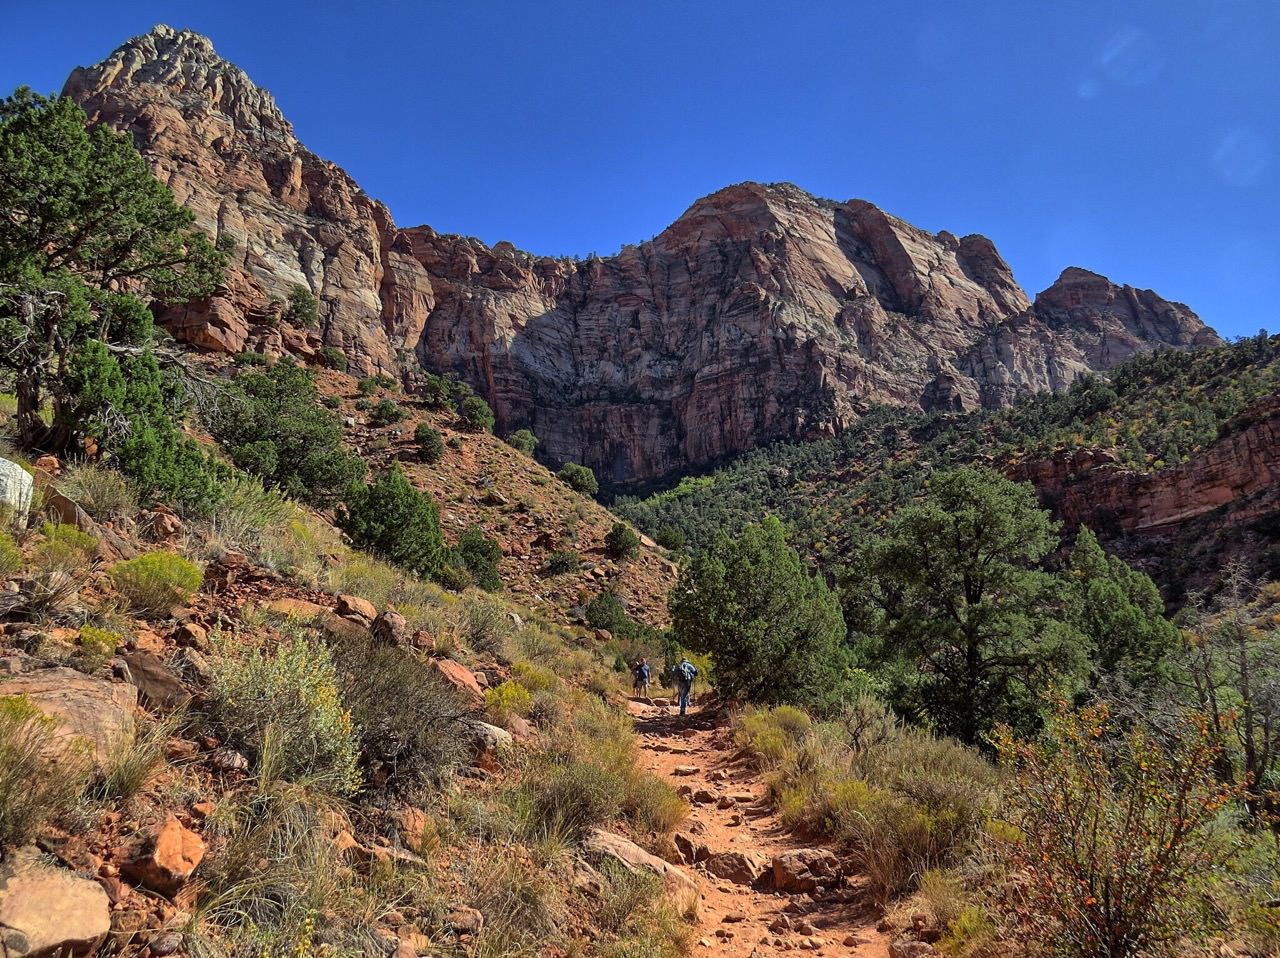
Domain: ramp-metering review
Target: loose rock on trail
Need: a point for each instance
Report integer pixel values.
(742, 857)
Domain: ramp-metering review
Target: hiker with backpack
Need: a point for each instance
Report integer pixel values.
(685, 673)
(641, 672)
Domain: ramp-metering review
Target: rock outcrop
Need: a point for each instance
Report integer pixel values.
(94, 717)
(762, 313)
(48, 912)
(1240, 474)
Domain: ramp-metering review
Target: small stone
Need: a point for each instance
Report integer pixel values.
(685, 770)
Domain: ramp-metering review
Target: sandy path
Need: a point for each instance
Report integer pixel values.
(840, 922)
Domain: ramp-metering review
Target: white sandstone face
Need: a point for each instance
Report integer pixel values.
(16, 492)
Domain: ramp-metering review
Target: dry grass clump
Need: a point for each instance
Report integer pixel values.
(902, 801)
(104, 493)
(38, 778)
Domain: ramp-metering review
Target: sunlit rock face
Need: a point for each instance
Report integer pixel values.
(762, 313)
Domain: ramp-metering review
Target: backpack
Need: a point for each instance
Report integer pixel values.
(686, 671)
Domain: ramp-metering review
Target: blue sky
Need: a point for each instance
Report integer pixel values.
(1137, 139)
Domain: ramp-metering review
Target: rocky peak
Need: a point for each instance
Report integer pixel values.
(193, 74)
(1082, 296)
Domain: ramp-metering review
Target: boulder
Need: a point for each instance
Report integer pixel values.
(804, 869)
(158, 688)
(680, 889)
(89, 710)
(488, 744)
(741, 868)
(16, 491)
(48, 912)
(390, 628)
(355, 607)
(461, 678)
(465, 921)
(164, 858)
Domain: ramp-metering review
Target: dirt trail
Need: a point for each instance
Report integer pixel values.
(671, 745)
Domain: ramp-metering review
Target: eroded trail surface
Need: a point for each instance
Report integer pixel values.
(763, 892)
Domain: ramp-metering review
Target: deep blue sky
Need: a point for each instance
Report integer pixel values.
(1138, 139)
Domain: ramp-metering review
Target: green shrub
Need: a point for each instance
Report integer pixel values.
(283, 705)
(523, 440)
(368, 385)
(102, 492)
(485, 628)
(10, 554)
(334, 358)
(480, 556)
(430, 443)
(32, 787)
(621, 542)
(331, 402)
(475, 414)
(562, 561)
(407, 718)
(506, 700)
(156, 582)
(575, 796)
(95, 647)
(386, 413)
(669, 537)
(250, 359)
(578, 478)
(64, 547)
(653, 805)
(395, 521)
(301, 310)
(272, 424)
(1116, 838)
(435, 391)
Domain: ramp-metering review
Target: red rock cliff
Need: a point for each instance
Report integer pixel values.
(762, 313)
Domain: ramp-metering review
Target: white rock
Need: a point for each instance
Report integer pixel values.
(16, 491)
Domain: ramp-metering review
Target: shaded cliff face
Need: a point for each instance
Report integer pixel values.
(762, 313)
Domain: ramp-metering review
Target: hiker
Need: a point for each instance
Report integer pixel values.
(685, 673)
(641, 674)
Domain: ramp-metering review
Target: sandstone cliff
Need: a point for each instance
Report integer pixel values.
(762, 313)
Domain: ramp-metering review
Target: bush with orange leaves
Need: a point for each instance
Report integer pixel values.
(1113, 851)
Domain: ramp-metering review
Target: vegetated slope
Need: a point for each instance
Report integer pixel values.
(481, 480)
(1174, 458)
(762, 313)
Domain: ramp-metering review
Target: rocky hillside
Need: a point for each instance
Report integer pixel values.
(762, 313)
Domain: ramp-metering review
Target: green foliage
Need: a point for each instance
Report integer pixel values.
(283, 704)
(669, 537)
(523, 440)
(407, 719)
(250, 359)
(774, 631)
(621, 542)
(95, 647)
(1115, 836)
(562, 561)
(301, 310)
(480, 556)
(273, 425)
(951, 602)
(65, 548)
(156, 582)
(508, 699)
(86, 220)
(430, 443)
(333, 358)
(396, 521)
(475, 415)
(579, 478)
(10, 554)
(369, 385)
(436, 391)
(32, 788)
(485, 627)
(386, 413)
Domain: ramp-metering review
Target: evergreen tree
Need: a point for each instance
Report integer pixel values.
(393, 519)
(775, 632)
(952, 606)
(86, 231)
